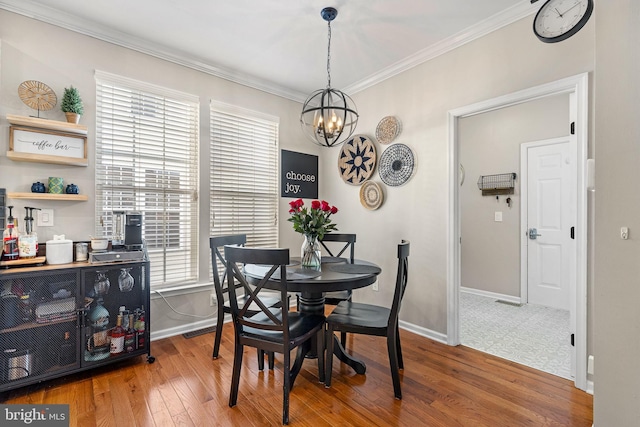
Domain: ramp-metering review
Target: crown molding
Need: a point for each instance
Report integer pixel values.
(521, 10)
(55, 17)
(92, 29)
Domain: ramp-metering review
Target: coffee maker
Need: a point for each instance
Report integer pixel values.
(133, 231)
(127, 230)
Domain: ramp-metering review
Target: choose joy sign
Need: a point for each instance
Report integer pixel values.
(299, 175)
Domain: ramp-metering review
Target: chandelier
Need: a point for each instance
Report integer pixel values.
(329, 116)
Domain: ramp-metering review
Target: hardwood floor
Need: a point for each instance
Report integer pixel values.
(441, 386)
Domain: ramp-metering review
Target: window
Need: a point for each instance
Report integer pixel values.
(244, 174)
(147, 161)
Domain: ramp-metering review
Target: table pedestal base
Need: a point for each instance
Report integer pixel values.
(344, 357)
(314, 304)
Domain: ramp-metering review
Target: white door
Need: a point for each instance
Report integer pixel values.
(550, 216)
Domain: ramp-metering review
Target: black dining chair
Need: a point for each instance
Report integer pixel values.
(336, 297)
(349, 242)
(271, 330)
(221, 289)
(374, 320)
(343, 242)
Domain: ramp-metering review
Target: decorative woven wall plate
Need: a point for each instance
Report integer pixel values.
(396, 165)
(37, 95)
(357, 160)
(387, 130)
(371, 195)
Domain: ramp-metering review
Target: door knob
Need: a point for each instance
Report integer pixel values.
(533, 233)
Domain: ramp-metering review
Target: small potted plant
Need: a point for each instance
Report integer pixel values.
(72, 104)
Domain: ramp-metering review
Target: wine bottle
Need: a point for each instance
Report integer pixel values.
(140, 326)
(10, 239)
(130, 336)
(117, 338)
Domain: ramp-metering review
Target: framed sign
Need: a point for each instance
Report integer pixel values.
(299, 175)
(47, 146)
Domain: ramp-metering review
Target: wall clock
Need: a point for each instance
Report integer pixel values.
(558, 20)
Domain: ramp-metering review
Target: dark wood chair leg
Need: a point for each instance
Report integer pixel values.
(260, 360)
(329, 357)
(218, 335)
(286, 388)
(235, 377)
(399, 349)
(320, 337)
(343, 339)
(271, 359)
(393, 363)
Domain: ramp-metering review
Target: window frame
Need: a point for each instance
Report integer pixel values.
(153, 120)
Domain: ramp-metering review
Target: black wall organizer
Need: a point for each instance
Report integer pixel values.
(495, 185)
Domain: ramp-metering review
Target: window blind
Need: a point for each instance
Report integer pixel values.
(147, 161)
(244, 175)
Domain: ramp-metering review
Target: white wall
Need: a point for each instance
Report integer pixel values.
(502, 62)
(32, 50)
(489, 143)
(617, 267)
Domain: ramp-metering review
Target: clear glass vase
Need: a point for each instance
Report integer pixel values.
(310, 254)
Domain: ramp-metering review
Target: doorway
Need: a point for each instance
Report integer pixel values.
(577, 89)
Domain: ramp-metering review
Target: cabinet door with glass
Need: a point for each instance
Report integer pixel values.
(38, 326)
(115, 321)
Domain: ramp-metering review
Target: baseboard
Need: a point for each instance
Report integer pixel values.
(589, 387)
(424, 332)
(183, 329)
(494, 295)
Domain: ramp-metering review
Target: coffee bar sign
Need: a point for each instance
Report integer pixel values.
(299, 175)
(47, 146)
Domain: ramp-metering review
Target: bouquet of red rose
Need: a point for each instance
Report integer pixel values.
(314, 222)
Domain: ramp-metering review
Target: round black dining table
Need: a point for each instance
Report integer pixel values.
(335, 274)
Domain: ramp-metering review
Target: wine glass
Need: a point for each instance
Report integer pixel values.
(125, 280)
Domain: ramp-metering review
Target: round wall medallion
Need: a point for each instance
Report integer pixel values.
(396, 165)
(387, 130)
(37, 95)
(357, 160)
(371, 195)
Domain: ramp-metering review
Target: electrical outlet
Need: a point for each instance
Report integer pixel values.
(375, 286)
(212, 300)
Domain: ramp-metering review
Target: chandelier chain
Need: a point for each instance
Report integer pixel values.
(329, 116)
(329, 55)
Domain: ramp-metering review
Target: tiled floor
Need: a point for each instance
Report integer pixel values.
(532, 335)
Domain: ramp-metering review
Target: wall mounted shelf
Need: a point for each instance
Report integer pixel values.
(494, 185)
(35, 122)
(49, 196)
(47, 141)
